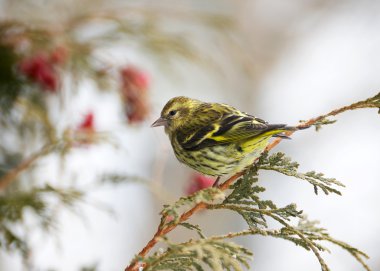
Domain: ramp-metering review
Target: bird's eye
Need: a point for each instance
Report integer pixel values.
(172, 112)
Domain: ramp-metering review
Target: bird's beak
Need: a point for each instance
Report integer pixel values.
(160, 122)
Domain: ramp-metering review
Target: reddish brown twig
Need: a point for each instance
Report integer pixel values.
(162, 231)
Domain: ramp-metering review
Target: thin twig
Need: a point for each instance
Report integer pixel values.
(361, 104)
(263, 232)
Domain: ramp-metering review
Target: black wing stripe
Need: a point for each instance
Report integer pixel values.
(229, 119)
(224, 128)
(203, 144)
(198, 136)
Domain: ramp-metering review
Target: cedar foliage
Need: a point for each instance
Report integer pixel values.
(243, 197)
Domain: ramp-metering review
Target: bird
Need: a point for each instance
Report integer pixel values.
(216, 139)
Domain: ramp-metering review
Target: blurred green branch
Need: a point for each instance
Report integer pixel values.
(9, 177)
(39, 201)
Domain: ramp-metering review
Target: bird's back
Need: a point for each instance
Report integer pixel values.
(218, 139)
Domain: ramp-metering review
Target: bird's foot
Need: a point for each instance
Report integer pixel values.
(216, 182)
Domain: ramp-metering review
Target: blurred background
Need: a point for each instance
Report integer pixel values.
(83, 176)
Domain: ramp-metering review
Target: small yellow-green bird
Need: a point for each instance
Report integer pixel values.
(215, 139)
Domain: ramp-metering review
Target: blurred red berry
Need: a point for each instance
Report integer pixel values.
(39, 69)
(134, 88)
(199, 182)
(136, 77)
(88, 123)
(59, 55)
(86, 130)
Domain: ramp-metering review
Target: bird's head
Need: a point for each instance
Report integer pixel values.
(176, 113)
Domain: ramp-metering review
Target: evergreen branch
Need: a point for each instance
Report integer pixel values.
(278, 215)
(303, 240)
(193, 227)
(282, 212)
(306, 242)
(243, 198)
(316, 233)
(251, 231)
(282, 234)
(306, 231)
(283, 164)
(212, 252)
(356, 253)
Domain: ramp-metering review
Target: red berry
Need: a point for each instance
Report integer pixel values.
(85, 132)
(39, 69)
(136, 77)
(199, 182)
(88, 122)
(134, 93)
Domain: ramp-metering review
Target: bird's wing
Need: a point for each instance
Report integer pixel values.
(230, 126)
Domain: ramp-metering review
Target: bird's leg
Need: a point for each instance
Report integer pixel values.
(216, 182)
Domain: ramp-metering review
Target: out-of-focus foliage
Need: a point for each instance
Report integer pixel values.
(42, 201)
(44, 60)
